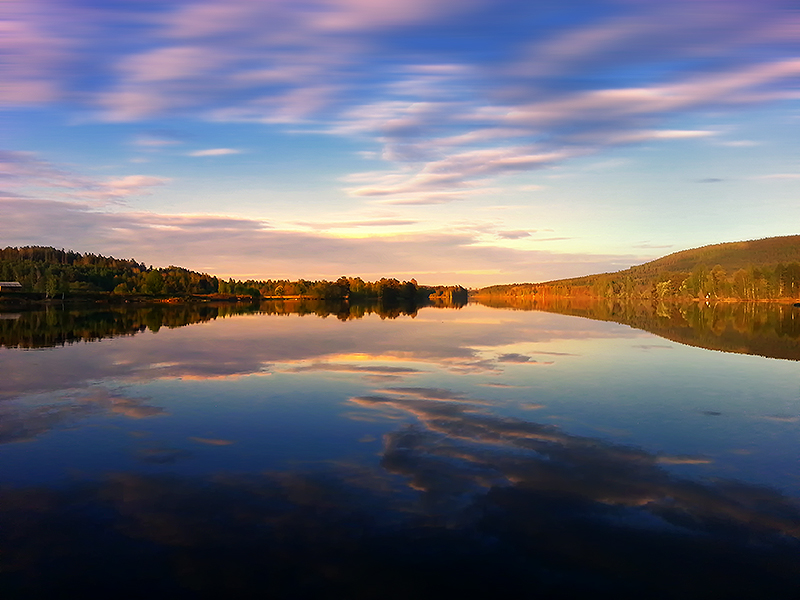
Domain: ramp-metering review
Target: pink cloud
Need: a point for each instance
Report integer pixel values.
(33, 51)
(128, 186)
(26, 170)
(215, 152)
(456, 171)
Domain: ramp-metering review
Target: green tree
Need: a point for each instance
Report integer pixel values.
(153, 283)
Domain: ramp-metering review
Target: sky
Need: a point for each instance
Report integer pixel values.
(468, 142)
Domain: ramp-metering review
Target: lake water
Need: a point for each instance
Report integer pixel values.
(178, 451)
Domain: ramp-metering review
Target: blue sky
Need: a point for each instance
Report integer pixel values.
(468, 141)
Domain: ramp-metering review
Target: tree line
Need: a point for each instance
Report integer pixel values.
(59, 273)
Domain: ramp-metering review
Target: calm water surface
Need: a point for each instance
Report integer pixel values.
(472, 451)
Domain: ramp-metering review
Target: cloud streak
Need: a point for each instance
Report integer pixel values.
(215, 152)
(26, 170)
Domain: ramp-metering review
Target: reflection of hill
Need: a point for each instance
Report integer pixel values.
(763, 329)
(57, 326)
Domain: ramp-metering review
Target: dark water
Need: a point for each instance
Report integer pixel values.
(210, 451)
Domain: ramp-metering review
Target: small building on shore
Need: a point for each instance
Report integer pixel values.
(10, 286)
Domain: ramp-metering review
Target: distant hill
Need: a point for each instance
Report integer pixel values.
(765, 269)
(731, 256)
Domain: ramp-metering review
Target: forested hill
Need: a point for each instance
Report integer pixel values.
(731, 256)
(55, 272)
(752, 270)
(51, 273)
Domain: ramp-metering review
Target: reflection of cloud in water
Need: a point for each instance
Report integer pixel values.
(461, 365)
(504, 386)
(348, 531)
(134, 408)
(470, 367)
(460, 449)
(780, 418)
(18, 424)
(21, 421)
(423, 392)
(683, 460)
(531, 406)
(211, 441)
(162, 456)
(374, 378)
(349, 368)
(372, 417)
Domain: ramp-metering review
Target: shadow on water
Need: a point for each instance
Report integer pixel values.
(464, 503)
(759, 328)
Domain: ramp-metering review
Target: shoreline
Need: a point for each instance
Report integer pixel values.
(683, 300)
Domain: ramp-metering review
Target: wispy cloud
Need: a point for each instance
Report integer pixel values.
(25, 170)
(155, 141)
(127, 186)
(215, 152)
(649, 246)
(779, 176)
(515, 357)
(513, 235)
(739, 143)
(35, 52)
(357, 224)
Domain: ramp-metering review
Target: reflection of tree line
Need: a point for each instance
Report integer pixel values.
(765, 329)
(59, 325)
(342, 310)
